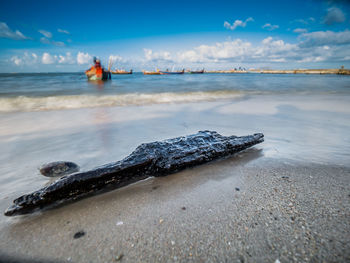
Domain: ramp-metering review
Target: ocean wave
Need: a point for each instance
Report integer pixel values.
(25, 103)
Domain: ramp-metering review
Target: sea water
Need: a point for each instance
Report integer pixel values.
(55, 91)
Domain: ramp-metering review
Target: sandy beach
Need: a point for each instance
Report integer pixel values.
(286, 200)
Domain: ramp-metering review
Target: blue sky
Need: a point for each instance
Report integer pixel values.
(43, 36)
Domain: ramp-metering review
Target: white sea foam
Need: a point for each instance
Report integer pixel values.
(24, 103)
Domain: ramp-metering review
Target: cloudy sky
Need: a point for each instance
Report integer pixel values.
(55, 36)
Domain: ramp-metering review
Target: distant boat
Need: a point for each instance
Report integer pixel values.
(171, 72)
(145, 72)
(197, 72)
(119, 71)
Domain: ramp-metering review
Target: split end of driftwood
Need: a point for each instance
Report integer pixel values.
(150, 159)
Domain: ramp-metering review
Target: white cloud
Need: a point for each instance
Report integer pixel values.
(63, 31)
(312, 47)
(20, 35)
(6, 32)
(156, 56)
(26, 59)
(300, 30)
(46, 33)
(115, 58)
(48, 59)
(237, 23)
(312, 59)
(67, 59)
(83, 58)
(274, 50)
(304, 21)
(238, 51)
(16, 60)
(220, 51)
(58, 43)
(334, 16)
(44, 40)
(321, 38)
(190, 56)
(270, 27)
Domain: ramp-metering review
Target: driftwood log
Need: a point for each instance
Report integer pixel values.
(149, 159)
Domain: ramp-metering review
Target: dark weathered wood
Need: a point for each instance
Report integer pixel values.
(150, 159)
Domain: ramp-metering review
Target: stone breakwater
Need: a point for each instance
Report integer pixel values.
(288, 71)
(304, 71)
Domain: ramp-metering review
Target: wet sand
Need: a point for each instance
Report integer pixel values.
(287, 199)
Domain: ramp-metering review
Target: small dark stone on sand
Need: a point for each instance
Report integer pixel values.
(285, 177)
(56, 169)
(183, 208)
(119, 257)
(237, 189)
(79, 234)
(292, 218)
(276, 218)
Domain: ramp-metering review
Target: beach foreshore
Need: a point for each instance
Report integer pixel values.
(240, 209)
(286, 199)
